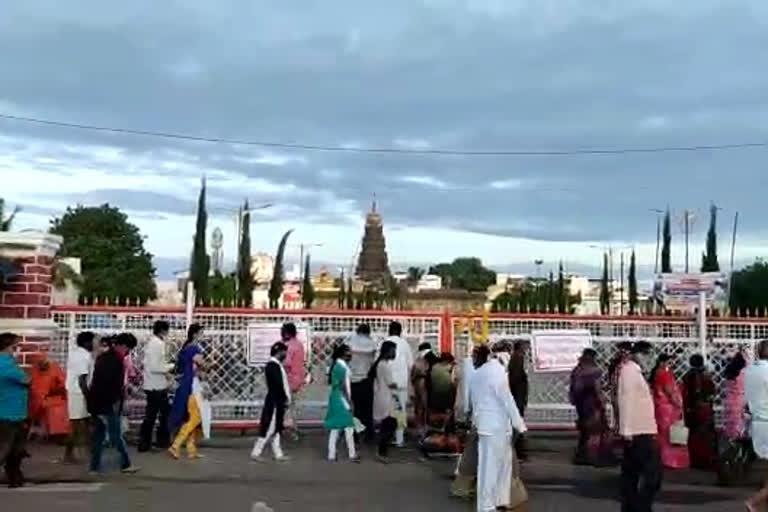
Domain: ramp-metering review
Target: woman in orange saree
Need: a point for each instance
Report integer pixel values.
(48, 399)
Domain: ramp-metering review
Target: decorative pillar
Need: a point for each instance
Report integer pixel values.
(25, 295)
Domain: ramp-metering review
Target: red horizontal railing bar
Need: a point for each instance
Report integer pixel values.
(404, 314)
(245, 311)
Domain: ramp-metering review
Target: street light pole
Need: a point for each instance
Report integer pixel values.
(239, 213)
(303, 246)
(658, 237)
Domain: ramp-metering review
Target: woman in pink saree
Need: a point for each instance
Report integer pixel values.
(735, 402)
(668, 402)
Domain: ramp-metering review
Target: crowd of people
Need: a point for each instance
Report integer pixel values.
(662, 423)
(475, 407)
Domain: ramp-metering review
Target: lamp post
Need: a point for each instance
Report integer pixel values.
(658, 213)
(302, 247)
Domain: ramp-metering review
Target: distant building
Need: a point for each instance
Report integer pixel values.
(168, 294)
(324, 281)
(373, 262)
(217, 254)
(504, 279)
(429, 282)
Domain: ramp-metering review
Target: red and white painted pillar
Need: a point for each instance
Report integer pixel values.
(25, 297)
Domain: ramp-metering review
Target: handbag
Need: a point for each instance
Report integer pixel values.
(518, 493)
(678, 433)
(358, 425)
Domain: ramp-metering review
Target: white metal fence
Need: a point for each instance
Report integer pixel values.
(238, 389)
(679, 337)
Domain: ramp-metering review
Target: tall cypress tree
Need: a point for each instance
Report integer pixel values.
(632, 284)
(605, 293)
(551, 296)
(200, 262)
(342, 291)
(666, 248)
(276, 286)
(562, 296)
(350, 294)
(709, 261)
(244, 276)
(307, 290)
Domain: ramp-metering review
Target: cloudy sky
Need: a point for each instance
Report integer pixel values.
(458, 74)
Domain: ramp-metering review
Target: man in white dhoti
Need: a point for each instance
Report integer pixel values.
(756, 392)
(401, 374)
(494, 415)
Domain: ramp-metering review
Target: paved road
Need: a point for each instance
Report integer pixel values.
(227, 481)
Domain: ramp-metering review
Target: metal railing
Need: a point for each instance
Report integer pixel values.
(238, 389)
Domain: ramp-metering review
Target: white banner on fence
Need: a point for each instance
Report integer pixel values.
(558, 351)
(261, 337)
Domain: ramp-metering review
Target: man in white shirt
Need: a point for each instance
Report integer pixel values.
(401, 374)
(79, 365)
(494, 416)
(641, 469)
(156, 382)
(363, 354)
(756, 393)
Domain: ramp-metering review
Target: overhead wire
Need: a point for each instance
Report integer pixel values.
(389, 150)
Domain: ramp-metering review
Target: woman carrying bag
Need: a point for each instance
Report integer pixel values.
(668, 403)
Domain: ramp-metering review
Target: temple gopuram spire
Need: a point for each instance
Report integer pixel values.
(373, 263)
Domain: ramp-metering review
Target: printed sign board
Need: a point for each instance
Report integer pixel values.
(558, 351)
(261, 337)
(680, 291)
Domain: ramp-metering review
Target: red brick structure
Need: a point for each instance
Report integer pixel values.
(25, 296)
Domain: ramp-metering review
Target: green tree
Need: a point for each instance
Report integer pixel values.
(307, 290)
(562, 293)
(7, 221)
(115, 264)
(465, 274)
(200, 263)
(666, 248)
(632, 284)
(222, 289)
(244, 275)
(414, 275)
(709, 261)
(342, 300)
(605, 292)
(350, 294)
(7, 267)
(276, 286)
(526, 297)
(749, 288)
(551, 294)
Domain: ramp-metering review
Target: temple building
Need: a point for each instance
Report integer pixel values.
(373, 263)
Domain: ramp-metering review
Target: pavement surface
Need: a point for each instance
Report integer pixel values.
(225, 480)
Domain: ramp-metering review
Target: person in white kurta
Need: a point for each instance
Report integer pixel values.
(401, 373)
(756, 393)
(494, 415)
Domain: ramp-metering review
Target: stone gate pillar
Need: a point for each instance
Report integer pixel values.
(25, 296)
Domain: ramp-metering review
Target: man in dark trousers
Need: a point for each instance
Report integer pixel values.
(275, 403)
(641, 469)
(518, 385)
(363, 349)
(156, 381)
(105, 400)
